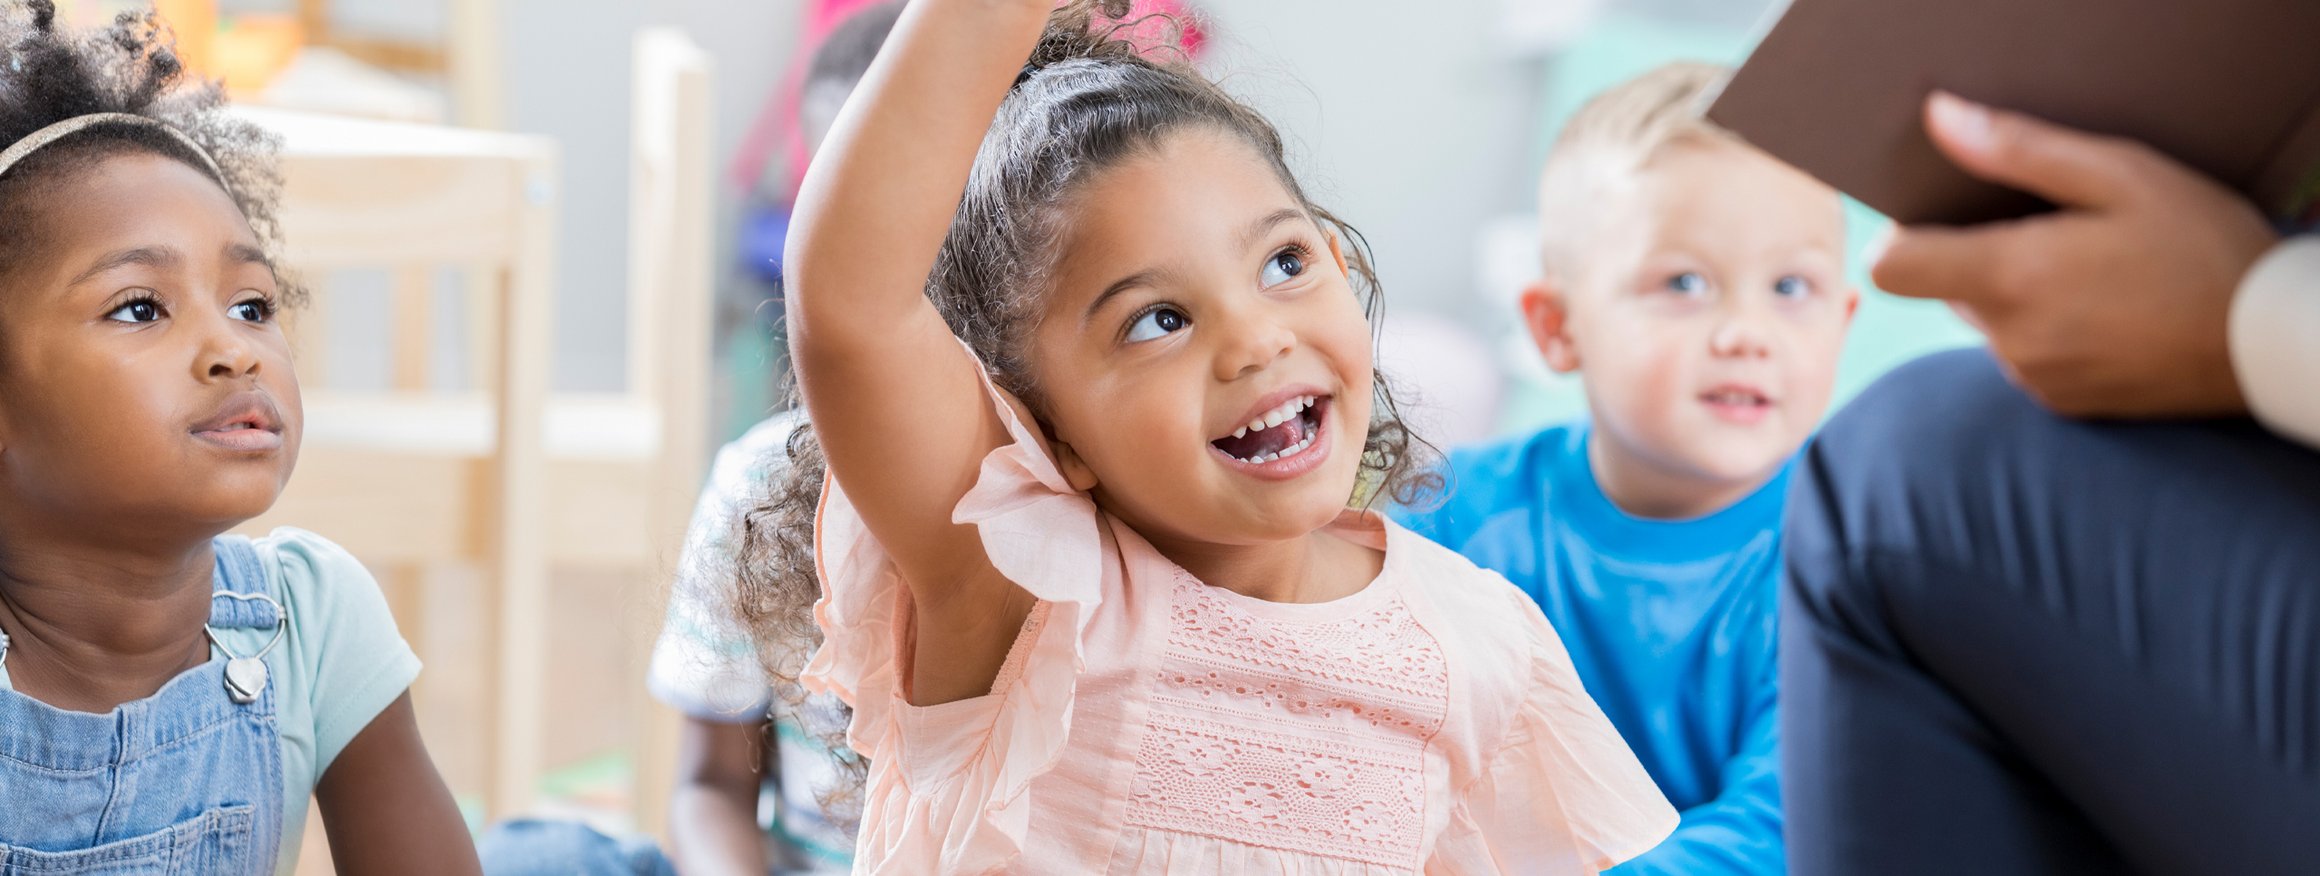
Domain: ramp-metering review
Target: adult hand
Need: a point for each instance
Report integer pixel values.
(2117, 304)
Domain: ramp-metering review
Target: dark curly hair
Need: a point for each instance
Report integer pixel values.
(1088, 100)
(50, 74)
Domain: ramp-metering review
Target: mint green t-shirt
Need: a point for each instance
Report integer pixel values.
(339, 665)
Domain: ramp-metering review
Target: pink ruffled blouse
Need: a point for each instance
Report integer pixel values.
(1147, 723)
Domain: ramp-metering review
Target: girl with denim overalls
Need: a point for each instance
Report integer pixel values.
(171, 697)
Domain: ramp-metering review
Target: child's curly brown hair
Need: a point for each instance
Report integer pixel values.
(49, 74)
(1088, 99)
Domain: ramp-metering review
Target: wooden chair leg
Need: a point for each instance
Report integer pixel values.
(518, 547)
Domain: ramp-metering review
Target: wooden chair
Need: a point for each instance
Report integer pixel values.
(672, 290)
(468, 56)
(500, 473)
(414, 200)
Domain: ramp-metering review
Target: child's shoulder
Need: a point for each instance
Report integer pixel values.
(745, 463)
(342, 660)
(768, 437)
(299, 563)
(1481, 481)
(1462, 591)
(1510, 453)
(333, 602)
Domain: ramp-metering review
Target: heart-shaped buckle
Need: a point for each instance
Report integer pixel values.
(246, 676)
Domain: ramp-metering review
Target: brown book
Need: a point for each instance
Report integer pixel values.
(2231, 87)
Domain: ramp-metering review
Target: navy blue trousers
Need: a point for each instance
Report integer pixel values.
(2017, 644)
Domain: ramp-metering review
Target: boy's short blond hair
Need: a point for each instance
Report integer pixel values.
(1615, 134)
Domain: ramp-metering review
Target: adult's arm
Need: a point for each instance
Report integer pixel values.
(2275, 339)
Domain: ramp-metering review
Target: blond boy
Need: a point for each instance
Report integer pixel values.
(1696, 286)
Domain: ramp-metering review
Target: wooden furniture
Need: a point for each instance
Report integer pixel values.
(495, 471)
(671, 300)
(415, 200)
(469, 57)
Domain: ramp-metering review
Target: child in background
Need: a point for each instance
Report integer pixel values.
(1697, 287)
(746, 741)
(1088, 576)
(171, 697)
(704, 664)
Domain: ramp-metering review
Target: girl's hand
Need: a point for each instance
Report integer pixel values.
(386, 808)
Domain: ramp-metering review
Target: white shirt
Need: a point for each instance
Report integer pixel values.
(2275, 339)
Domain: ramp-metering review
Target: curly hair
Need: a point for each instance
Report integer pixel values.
(50, 74)
(1089, 99)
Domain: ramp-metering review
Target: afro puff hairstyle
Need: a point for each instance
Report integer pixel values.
(50, 74)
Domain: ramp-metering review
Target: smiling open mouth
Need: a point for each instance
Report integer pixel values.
(1282, 432)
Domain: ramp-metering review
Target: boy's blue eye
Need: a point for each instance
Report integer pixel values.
(1792, 286)
(1157, 323)
(1283, 266)
(1688, 283)
(140, 310)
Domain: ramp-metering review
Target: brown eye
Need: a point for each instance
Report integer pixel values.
(1281, 268)
(253, 310)
(1157, 323)
(140, 310)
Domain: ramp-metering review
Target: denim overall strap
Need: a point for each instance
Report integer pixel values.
(185, 781)
(238, 572)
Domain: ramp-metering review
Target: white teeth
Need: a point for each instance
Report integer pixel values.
(1292, 450)
(1279, 415)
(1275, 417)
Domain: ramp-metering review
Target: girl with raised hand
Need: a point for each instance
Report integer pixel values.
(1094, 381)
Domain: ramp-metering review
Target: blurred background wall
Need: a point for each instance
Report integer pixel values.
(1422, 123)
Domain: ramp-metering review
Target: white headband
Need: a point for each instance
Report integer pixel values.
(24, 148)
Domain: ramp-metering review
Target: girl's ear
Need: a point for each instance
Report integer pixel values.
(1075, 470)
(1547, 313)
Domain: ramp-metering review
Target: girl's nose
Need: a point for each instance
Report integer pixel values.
(226, 354)
(1257, 342)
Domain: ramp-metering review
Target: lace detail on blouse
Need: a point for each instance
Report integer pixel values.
(1303, 737)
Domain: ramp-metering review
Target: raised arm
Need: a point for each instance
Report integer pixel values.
(897, 403)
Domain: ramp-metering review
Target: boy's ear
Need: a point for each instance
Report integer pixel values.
(1547, 313)
(1075, 470)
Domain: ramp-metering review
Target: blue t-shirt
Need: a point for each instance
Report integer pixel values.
(1670, 623)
